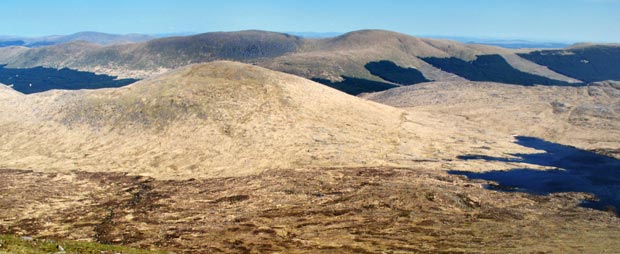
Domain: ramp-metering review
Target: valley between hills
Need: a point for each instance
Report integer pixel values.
(369, 142)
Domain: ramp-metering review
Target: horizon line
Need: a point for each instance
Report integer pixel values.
(459, 38)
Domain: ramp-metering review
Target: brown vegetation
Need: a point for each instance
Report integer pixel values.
(305, 210)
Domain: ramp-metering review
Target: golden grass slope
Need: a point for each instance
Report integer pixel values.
(215, 119)
(586, 117)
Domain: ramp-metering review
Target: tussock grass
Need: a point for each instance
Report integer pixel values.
(17, 245)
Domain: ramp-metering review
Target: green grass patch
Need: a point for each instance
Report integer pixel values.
(18, 245)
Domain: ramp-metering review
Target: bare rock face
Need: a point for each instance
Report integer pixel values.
(605, 88)
(603, 109)
(560, 107)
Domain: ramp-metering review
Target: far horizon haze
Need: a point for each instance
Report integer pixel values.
(541, 20)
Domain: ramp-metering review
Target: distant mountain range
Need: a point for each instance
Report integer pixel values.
(506, 43)
(92, 37)
(519, 44)
(108, 39)
(356, 62)
(315, 34)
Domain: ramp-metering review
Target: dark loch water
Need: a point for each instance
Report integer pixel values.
(577, 171)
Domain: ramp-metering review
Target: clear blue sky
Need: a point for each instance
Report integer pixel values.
(556, 20)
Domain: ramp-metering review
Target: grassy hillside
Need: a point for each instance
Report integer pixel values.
(10, 244)
(243, 45)
(327, 58)
(156, 56)
(587, 117)
(214, 119)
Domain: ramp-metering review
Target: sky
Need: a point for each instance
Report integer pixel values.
(542, 20)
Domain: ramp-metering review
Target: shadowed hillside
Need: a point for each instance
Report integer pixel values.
(348, 54)
(589, 63)
(491, 68)
(391, 72)
(39, 79)
(156, 56)
(325, 59)
(356, 86)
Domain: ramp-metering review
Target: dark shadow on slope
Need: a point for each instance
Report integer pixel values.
(493, 68)
(577, 171)
(389, 71)
(589, 64)
(40, 79)
(355, 86)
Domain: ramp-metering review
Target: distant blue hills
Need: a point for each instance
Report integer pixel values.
(108, 39)
(504, 43)
(92, 37)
